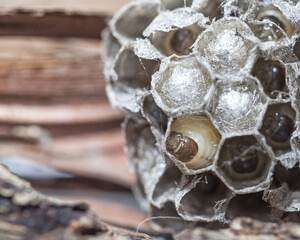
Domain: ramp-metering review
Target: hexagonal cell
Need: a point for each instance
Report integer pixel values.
(134, 17)
(154, 114)
(166, 218)
(273, 26)
(193, 141)
(207, 201)
(269, 20)
(226, 46)
(267, 31)
(133, 71)
(172, 4)
(131, 80)
(271, 75)
(174, 32)
(249, 205)
(278, 127)
(237, 106)
(244, 164)
(181, 85)
(178, 41)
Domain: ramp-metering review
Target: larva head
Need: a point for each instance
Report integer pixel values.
(182, 147)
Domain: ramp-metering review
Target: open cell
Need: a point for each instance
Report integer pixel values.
(271, 74)
(278, 127)
(134, 18)
(244, 163)
(193, 140)
(202, 202)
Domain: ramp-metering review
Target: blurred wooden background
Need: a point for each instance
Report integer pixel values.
(57, 128)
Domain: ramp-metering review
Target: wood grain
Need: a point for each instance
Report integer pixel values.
(65, 18)
(68, 6)
(54, 109)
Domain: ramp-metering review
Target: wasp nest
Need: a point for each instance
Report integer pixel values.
(212, 95)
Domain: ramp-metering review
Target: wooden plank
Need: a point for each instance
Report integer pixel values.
(98, 155)
(42, 67)
(54, 108)
(61, 114)
(54, 24)
(67, 6)
(65, 18)
(52, 82)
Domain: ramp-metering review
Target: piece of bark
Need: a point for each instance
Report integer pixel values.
(26, 214)
(115, 204)
(245, 229)
(56, 18)
(113, 207)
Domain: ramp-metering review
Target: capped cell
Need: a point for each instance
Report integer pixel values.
(181, 85)
(237, 106)
(226, 46)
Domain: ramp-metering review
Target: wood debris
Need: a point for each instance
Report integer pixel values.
(27, 214)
